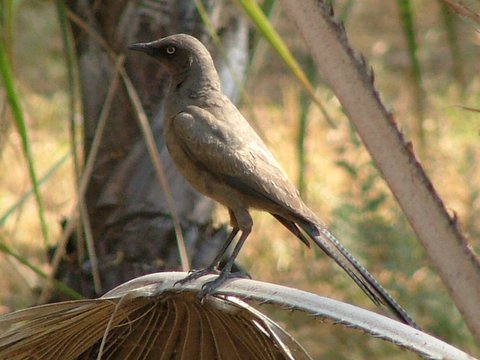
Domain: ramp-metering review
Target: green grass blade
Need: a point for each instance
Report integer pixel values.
(26, 195)
(69, 52)
(256, 15)
(344, 12)
(202, 11)
(406, 17)
(57, 284)
(7, 10)
(302, 131)
(453, 44)
(13, 100)
(267, 6)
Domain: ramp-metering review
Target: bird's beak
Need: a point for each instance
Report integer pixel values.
(143, 47)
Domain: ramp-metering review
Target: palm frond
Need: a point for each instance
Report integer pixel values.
(152, 316)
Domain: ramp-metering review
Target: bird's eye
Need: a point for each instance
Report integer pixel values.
(171, 50)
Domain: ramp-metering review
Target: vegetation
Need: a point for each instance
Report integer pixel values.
(337, 177)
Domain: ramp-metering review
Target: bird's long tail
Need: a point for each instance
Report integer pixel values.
(335, 250)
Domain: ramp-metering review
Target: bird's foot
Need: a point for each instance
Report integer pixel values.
(195, 274)
(224, 277)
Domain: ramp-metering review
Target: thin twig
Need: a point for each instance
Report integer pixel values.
(160, 172)
(87, 228)
(461, 9)
(83, 186)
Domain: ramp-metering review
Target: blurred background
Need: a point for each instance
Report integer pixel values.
(426, 63)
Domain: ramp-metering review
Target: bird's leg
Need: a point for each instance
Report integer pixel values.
(226, 273)
(213, 267)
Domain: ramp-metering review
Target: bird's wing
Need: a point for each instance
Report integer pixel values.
(230, 149)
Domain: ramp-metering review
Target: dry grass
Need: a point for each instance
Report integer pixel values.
(272, 254)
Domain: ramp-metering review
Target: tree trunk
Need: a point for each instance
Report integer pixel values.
(130, 221)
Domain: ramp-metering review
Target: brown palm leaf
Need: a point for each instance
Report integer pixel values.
(152, 318)
(142, 325)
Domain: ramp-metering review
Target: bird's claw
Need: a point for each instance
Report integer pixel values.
(195, 274)
(211, 286)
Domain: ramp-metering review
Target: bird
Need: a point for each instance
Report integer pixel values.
(218, 152)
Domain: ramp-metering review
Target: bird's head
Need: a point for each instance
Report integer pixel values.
(180, 54)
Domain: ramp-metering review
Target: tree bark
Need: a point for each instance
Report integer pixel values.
(131, 223)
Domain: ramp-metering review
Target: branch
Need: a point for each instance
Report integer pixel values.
(352, 82)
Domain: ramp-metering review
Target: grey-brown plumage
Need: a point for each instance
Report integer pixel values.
(219, 153)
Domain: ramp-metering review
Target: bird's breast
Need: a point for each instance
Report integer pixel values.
(186, 164)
